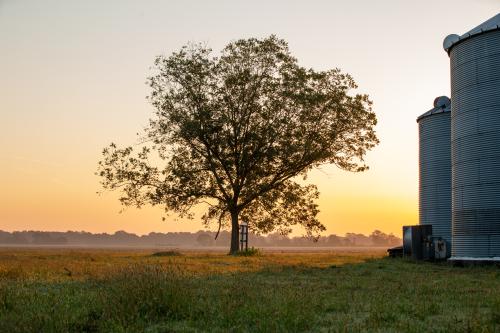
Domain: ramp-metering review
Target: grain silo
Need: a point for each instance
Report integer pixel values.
(475, 141)
(434, 129)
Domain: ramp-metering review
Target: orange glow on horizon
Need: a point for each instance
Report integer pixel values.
(73, 78)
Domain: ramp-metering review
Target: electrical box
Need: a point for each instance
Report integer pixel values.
(441, 251)
(419, 244)
(415, 239)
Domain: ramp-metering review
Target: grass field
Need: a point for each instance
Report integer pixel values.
(343, 291)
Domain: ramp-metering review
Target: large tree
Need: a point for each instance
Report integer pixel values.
(236, 132)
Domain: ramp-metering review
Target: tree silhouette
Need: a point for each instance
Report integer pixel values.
(236, 131)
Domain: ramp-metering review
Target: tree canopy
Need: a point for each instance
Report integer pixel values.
(236, 131)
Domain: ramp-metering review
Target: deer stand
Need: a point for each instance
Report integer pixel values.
(243, 236)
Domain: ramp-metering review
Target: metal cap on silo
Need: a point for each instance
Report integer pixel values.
(434, 128)
(475, 141)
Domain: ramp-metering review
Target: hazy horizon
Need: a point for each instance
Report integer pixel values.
(189, 240)
(73, 80)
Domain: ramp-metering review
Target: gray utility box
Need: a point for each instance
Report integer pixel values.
(419, 244)
(415, 238)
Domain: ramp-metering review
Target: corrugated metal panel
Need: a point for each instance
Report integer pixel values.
(475, 146)
(435, 170)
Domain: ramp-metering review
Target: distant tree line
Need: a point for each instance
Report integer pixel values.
(188, 239)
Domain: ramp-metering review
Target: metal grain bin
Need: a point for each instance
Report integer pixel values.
(475, 141)
(434, 129)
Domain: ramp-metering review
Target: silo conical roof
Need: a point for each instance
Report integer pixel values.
(488, 25)
(491, 24)
(441, 104)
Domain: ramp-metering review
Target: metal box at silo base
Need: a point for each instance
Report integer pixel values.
(441, 248)
(416, 242)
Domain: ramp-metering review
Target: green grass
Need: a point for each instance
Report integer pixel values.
(198, 292)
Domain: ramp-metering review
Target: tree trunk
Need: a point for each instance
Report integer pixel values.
(235, 233)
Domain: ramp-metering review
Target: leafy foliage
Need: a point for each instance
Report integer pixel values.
(235, 132)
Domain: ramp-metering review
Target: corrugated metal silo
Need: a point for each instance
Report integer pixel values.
(475, 141)
(434, 129)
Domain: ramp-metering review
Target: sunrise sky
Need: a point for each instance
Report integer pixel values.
(72, 79)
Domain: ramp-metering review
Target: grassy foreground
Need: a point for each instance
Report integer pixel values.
(105, 291)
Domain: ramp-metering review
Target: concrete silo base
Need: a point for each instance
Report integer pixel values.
(472, 261)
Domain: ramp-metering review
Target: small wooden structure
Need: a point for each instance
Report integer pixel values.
(243, 236)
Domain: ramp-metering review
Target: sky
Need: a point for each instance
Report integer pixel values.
(72, 80)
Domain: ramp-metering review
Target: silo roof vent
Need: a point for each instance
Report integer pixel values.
(489, 25)
(441, 104)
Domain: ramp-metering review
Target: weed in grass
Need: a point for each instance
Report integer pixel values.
(170, 253)
(251, 252)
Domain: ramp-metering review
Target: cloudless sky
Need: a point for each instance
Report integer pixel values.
(72, 80)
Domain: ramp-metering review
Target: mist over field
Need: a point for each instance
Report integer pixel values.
(200, 239)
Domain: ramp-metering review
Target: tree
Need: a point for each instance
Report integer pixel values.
(379, 238)
(236, 132)
(204, 239)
